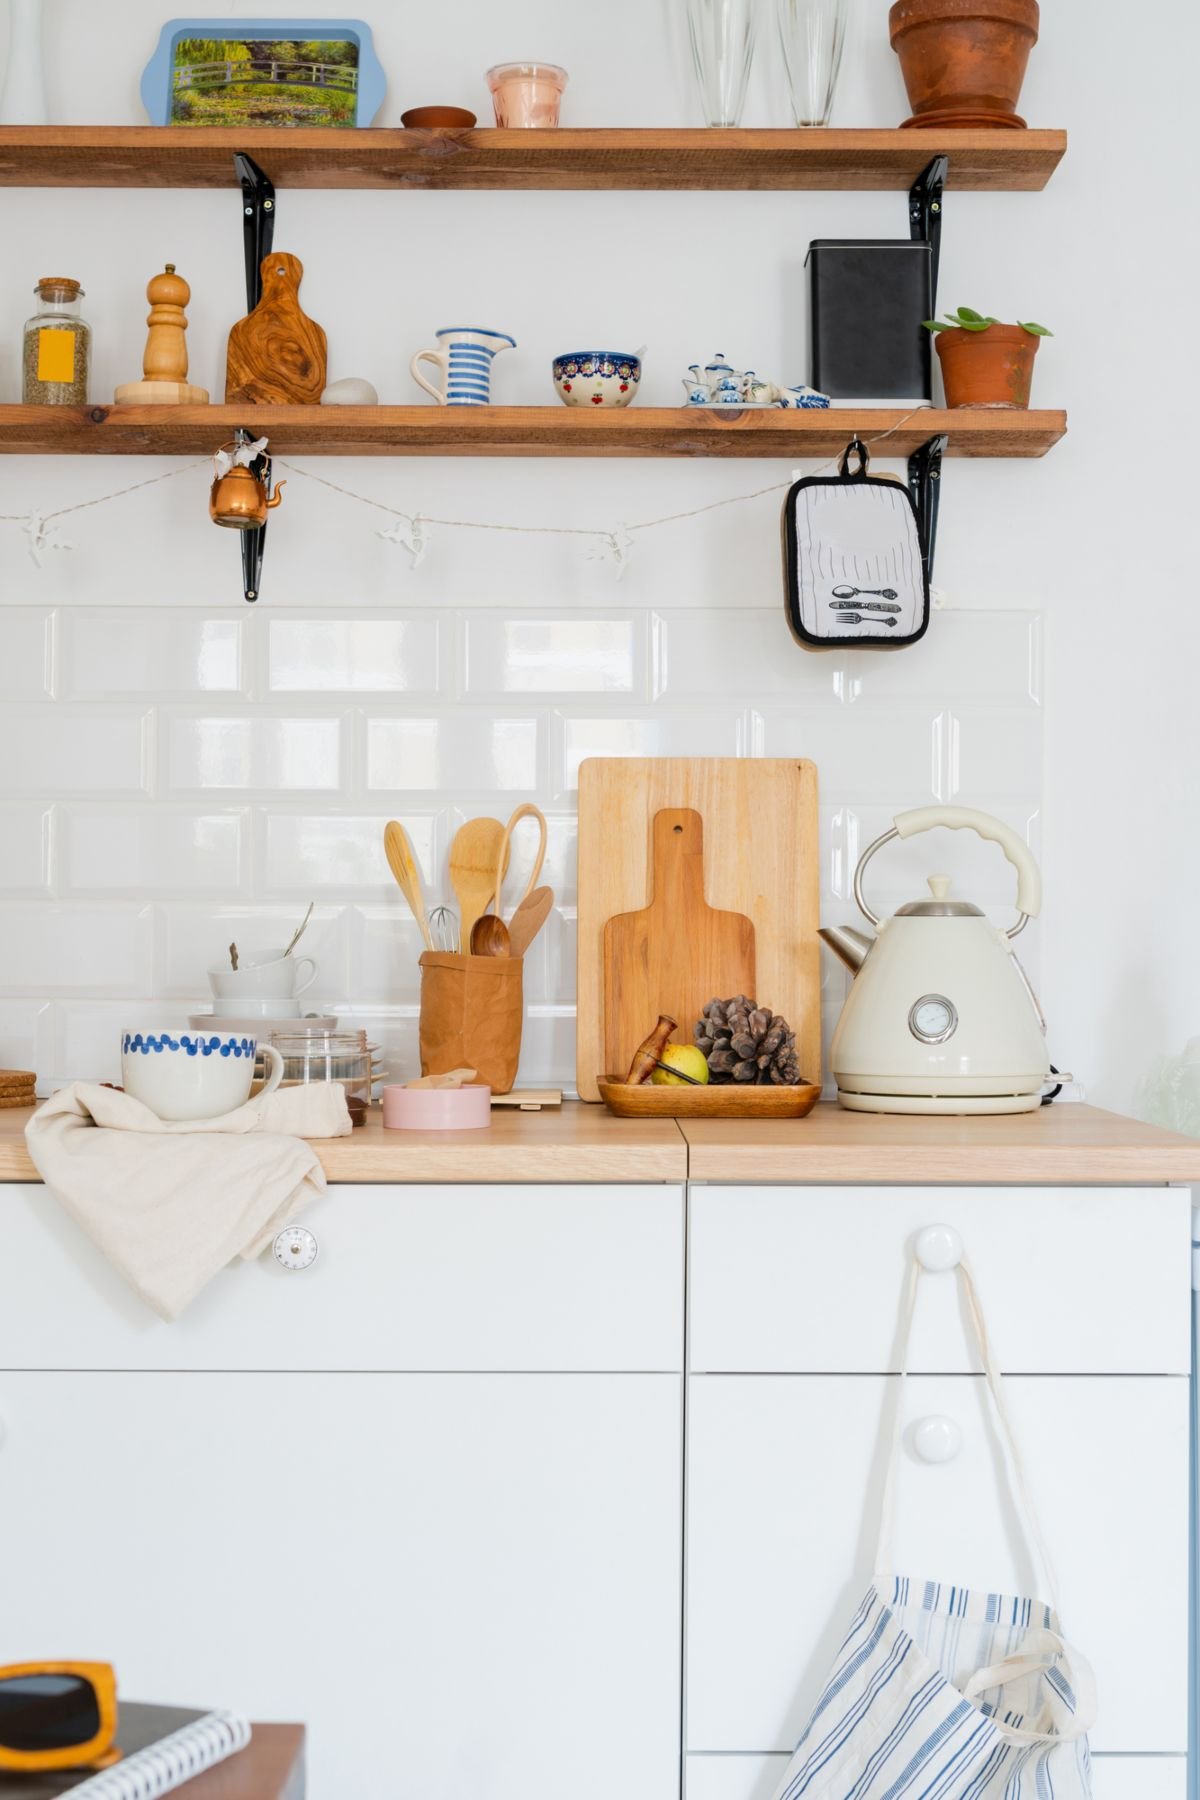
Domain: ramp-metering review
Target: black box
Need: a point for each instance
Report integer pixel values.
(867, 300)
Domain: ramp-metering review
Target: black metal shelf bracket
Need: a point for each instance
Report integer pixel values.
(258, 233)
(925, 486)
(925, 215)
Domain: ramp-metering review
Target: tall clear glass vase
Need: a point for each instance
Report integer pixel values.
(722, 35)
(812, 34)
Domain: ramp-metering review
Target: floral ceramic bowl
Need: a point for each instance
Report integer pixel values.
(597, 378)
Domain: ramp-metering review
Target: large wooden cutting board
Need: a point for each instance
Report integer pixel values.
(761, 858)
(676, 953)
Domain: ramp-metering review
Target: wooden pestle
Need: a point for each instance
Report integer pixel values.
(647, 1054)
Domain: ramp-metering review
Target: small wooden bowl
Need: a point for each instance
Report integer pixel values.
(648, 1101)
(438, 118)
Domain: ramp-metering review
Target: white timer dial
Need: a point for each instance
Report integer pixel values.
(295, 1248)
(933, 1019)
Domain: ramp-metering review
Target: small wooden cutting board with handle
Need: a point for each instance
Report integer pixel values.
(677, 953)
(277, 354)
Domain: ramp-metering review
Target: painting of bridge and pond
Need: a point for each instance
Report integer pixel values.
(264, 81)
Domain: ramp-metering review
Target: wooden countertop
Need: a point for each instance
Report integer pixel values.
(571, 1143)
(1059, 1144)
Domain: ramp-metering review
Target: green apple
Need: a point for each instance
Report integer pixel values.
(687, 1059)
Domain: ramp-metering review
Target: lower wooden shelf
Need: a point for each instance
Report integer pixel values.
(518, 431)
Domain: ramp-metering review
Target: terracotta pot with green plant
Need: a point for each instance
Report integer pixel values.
(963, 61)
(983, 362)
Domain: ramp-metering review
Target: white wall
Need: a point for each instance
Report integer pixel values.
(137, 840)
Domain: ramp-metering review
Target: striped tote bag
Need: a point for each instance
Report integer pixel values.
(947, 1693)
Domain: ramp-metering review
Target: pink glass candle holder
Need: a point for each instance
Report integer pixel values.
(527, 94)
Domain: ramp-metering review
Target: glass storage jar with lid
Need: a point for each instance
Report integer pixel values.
(57, 346)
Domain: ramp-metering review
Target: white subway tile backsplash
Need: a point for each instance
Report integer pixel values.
(707, 652)
(965, 658)
(341, 853)
(59, 750)
(194, 939)
(25, 860)
(137, 650)
(273, 754)
(536, 654)
(680, 731)
(152, 850)
(26, 653)
(993, 751)
(890, 753)
(66, 949)
(176, 777)
(445, 752)
(309, 653)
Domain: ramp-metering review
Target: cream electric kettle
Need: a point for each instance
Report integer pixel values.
(941, 1017)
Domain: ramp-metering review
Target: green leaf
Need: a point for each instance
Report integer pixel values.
(966, 315)
(977, 324)
(934, 325)
(1034, 330)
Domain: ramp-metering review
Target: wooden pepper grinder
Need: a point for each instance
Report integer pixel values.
(165, 364)
(277, 353)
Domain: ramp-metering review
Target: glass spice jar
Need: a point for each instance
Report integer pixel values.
(57, 346)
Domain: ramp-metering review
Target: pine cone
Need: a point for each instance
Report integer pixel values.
(745, 1042)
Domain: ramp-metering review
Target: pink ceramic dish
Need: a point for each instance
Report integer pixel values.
(437, 1109)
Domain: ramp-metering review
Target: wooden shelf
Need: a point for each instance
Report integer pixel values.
(515, 431)
(202, 157)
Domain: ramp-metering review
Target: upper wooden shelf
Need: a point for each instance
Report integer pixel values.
(200, 157)
(551, 430)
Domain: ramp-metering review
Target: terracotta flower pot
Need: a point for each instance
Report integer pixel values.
(987, 368)
(963, 61)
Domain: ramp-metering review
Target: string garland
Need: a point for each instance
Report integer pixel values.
(412, 531)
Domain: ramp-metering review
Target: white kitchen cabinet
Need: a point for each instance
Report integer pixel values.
(757, 1777)
(784, 1483)
(1074, 1280)
(520, 1277)
(464, 1584)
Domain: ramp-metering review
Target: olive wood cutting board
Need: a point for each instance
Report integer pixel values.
(277, 354)
(761, 859)
(676, 953)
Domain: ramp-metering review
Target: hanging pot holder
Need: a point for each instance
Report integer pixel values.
(855, 563)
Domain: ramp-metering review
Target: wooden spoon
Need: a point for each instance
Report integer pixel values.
(489, 936)
(478, 850)
(403, 865)
(528, 919)
(522, 812)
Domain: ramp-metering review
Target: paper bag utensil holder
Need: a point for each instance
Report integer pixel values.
(472, 1010)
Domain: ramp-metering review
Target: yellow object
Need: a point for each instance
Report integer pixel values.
(687, 1059)
(99, 1751)
(56, 355)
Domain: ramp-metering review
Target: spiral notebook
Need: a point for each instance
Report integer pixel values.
(164, 1746)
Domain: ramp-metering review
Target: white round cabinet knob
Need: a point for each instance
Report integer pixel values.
(936, 1439)
(295, 1248)
(939, 1247)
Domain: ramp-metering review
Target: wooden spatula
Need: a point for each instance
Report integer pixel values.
(403, 865)
(528, 920)
(477, 852)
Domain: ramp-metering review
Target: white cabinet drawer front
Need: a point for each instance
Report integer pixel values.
(1074, 1280)
(464, 1585)
(784, 1483)
(420, 1278)
(758, 1777)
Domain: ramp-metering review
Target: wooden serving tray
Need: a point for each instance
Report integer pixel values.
(648, 1101)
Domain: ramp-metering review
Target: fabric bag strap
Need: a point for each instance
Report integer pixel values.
(883, 1556)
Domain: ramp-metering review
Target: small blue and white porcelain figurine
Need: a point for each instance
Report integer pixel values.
(719, 384)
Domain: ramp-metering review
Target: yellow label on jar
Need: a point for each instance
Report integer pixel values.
(56, 355)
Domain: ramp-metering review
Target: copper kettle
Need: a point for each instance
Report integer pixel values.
(238, 498)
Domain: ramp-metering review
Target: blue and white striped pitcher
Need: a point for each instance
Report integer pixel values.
(464, 356)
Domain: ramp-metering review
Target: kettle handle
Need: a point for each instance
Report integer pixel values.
(965, 818)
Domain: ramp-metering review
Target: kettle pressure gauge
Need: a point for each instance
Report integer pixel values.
(933, 1019)
(295, 1248)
